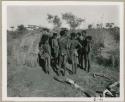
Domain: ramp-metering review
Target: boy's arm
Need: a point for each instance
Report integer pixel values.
(78, 43)
(49, 51)
(52, 43)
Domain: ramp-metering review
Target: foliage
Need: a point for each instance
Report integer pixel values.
(99, 25)
(100, 51)
(90, 26)
(109, 25)
(116, 33)
(12, 27)
(55, 20)
(72, 20)
(21, 27)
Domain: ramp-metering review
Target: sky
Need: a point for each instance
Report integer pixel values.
(37, 15)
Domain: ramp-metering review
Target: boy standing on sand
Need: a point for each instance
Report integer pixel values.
(73, 45)
(80, 40)
(45, 52)
(86, 52)
(55, 48)
(63, 49)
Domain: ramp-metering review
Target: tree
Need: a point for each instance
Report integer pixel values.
(72, 20)
(116, 33)
(55, 20)
(12, 28)
(109, 25)
(21, 28)
(90, 26)
(99, 25)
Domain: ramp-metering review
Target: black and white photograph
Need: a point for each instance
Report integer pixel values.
(65, 50)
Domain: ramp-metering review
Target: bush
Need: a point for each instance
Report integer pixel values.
(112, 61)
(116, 33)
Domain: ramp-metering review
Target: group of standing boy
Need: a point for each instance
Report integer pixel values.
(64, 48)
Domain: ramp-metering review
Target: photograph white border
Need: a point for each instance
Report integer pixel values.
(53, 3)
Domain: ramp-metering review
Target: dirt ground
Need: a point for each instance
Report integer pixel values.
(24, 81)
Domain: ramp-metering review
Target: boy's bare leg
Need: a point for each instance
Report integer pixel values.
(85, 62)
(60, 61)
(48, 64)
(72, 58)
(75, 64)
(89, 63)
(81, 61)
(64, 63)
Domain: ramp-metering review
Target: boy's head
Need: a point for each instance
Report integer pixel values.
(63, 32)
(44, 38)
(78, 34)
(73, 35)
(89, 38)
(54, 35)
(83, 32)
(45, 30)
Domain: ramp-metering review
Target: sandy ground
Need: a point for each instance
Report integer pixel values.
(24, 81)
